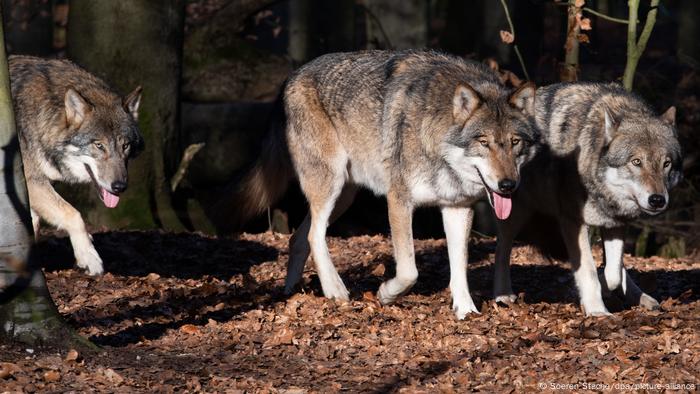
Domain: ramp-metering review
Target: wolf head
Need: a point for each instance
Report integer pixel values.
(102, 138)
(492, 139)
(641, 161)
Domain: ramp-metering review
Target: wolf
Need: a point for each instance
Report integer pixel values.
(607, 159)
(419, 127)
(72, 128)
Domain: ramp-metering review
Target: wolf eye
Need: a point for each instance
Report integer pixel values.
(637, 162)
(99, 146)
(515, 141)
(667, 163)
(126, 146)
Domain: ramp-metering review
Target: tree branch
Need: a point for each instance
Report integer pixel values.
(636, 48)
(515, 46)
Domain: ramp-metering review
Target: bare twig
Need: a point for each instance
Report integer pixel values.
(606, 17)
(376, 20)
(635, 47)
(599, 14)
(515, 46)
(184, 164)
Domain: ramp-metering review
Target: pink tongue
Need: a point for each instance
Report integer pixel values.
(501, 205)
(110, 199)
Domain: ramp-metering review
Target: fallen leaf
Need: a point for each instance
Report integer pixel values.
(507, 37)
(189, 329)
(72, 355)
(8, 369)
(52, 376)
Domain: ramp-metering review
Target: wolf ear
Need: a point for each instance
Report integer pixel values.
(524, 98)
(465, 101)
(669, 116)
(76, 107)
(611, 124)
(131, 102)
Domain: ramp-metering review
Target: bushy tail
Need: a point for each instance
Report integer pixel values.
(262, 184)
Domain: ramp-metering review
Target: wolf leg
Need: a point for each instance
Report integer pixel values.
(400, 221)
(321, 204)
(613, 243)
(36, 221)
(457, 222)
(299, 247)
(55, 210)
(615, 274)
(585, 273)
(507, 229)
(634, 295)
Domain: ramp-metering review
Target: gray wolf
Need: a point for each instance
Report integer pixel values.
(72, 128)
(607, 159)
(419, 127)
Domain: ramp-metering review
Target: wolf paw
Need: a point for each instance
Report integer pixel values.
(506, 298)
(597, 312)
(648, 302)
(462, 308)
(335, 289)
(88, 259)
(385, 296)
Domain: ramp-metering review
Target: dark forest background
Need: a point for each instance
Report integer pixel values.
(212, 69)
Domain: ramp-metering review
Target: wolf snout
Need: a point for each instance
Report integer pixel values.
(657, 201)
(507, 185)
(118, 186)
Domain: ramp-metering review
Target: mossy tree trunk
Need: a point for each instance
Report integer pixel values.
(27, 312)
(130, 43)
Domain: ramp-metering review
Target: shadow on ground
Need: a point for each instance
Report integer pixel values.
(216, 262)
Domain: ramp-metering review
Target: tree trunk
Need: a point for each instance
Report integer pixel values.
(131, 43)
(27, 312)
(396, 25)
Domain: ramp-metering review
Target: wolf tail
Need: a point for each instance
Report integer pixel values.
(263, 182)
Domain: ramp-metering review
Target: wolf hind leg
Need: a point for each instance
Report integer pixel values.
(299, 248)
(55, 210)
(616, 276)
(585, 273)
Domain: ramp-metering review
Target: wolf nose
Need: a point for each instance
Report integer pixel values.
(118, 186)
(506, 185)
(657, 201)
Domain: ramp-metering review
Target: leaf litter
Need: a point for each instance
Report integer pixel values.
(193, 313)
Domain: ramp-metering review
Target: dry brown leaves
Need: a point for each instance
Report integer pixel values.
(194, 313)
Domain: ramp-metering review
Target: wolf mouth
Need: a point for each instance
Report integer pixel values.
(501, 204)
(109, 199)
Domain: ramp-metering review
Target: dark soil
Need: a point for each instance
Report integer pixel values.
(188, 312)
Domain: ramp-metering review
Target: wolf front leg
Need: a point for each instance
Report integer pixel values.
(615, 274)
(585, 273)
(457, 222)
(400, 220)
(54, 209)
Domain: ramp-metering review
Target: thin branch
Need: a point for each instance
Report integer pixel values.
(376, 20)
(599, 14)
(515, 46)
(606, 17)
(635, 47)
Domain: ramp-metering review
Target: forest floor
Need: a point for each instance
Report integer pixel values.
(187, 312)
